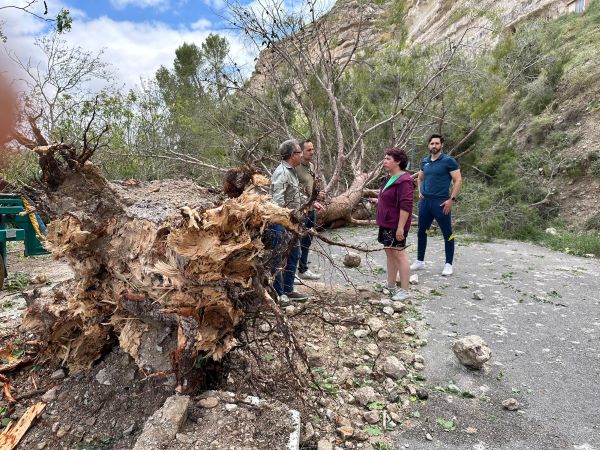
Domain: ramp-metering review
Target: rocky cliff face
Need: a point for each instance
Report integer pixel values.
(425, 21)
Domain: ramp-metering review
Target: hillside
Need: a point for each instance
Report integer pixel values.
(533, 163)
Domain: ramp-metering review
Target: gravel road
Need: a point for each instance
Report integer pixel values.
(540, 314)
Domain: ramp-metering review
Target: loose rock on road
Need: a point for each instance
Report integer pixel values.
(537, 309)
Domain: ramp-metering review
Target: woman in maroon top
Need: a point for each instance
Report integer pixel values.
(394, 213)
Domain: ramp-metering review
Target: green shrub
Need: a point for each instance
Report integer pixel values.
(540, 93)
(495, 213)
(539, 127)
(593, 223)
(580, 244)
(594, 169)
(559, 140)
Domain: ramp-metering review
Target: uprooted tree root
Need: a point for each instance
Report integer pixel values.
(169, 273)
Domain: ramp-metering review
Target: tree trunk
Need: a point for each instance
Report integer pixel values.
(339, 210)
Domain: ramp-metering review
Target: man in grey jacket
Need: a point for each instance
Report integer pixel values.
(285, 191)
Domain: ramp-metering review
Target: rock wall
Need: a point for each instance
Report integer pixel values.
(426, 22)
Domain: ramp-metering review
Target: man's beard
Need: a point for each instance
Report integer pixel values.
(433, 151)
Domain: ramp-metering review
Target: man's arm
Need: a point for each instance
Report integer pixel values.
(278, 187)
(456, 185)
(419, 182)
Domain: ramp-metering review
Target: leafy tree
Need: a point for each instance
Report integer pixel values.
(62, 21)
(215, 50)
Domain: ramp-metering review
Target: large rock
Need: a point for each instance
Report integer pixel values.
(365, 395)
(352, 260)
(472, 351)
(375, 324)
(162, 427)
(394, 368)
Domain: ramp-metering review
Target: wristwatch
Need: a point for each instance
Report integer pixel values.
(453, 199)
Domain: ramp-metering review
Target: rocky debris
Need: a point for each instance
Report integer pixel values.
(208, 402)
(406, 356)
(324, 444)
(162, 427)
(360, 333)
(50, 395)
(384, 334)
(309, 432)
(360, 435)
(63, 430)
(414, 278)
(372, 349)
(58, 374)
(478, 295)
(103, 377)
(398, 306)
(551, 231)
(127, 431)
(471, 430)
(429, 437)
(422, 394)
(371, 417)
(184, 438)
(472, 351)
(388, 310)
(410, 331)
(363, 371)
(351, 260)
(511, 404)
(419, 366)
(345, 432)
(365, 395)
(394, 368)
(375, 324)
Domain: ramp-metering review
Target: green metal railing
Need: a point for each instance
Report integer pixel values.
(16, 225)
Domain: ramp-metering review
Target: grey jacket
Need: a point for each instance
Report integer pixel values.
(285, 187)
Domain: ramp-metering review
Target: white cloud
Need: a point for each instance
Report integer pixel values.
(201, 24)
(121, 4)
(215, 4)
(135, 49)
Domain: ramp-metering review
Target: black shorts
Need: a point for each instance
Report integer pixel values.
(387, 237)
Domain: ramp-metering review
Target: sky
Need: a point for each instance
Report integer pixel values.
(136, 36)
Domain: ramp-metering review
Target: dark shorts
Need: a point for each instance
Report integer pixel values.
(387, 237)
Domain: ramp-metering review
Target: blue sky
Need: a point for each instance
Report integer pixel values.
(135, 36)
(177, 13)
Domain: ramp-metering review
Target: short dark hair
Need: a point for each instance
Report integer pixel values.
(433, 136)
(399, 155)
(305, 141)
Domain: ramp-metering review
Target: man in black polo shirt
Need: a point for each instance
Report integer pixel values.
(437, 171)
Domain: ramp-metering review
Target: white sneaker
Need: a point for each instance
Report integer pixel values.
(400, 295)
(448, 270)
(417, 265)
(284, 299)
(308, 275)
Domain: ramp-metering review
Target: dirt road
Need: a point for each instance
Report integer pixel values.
(540, 314)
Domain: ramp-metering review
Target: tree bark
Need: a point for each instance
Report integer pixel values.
(340, 208)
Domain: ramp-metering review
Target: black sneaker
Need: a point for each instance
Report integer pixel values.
(296, 296)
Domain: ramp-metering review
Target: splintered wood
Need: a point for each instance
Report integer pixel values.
(159, 266)
(13, 433)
